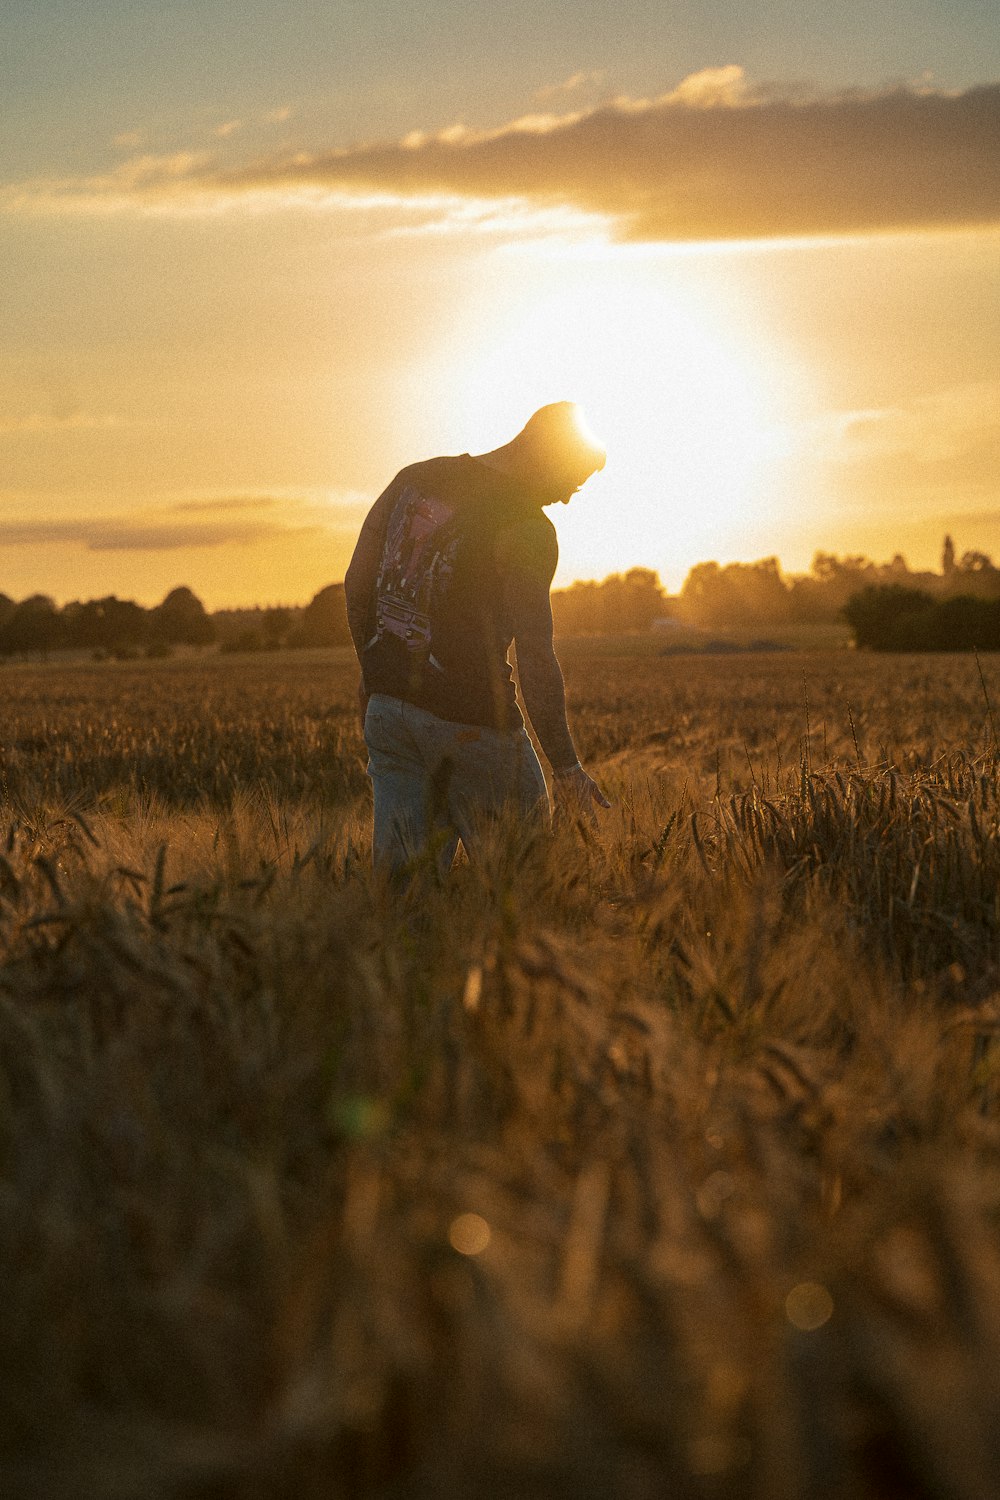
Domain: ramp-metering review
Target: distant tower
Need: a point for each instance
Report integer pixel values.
(948, 557)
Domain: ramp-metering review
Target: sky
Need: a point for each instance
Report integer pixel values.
(258, 258)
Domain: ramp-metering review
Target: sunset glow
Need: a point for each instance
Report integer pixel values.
(683, 407)
(238, 301)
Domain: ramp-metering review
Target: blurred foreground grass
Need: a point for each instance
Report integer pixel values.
(656, 1160)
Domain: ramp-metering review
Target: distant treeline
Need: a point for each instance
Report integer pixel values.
(615, 606)
(109, 625)
(885, 604)
(322, 622)
(720, 596)
(739, 593)
(122, 628)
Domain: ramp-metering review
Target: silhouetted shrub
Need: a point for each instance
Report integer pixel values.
(894, 618)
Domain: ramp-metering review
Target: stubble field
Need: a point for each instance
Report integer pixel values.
(657, 1158)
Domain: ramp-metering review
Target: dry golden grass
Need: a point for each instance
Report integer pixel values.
(658, 1160)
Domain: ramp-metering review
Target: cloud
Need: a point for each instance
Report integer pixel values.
(916, 457)
(220, 521)
(224, 503)
(228, 128)
(57, 421)
(942, 427)
(569, 85)
(712, 159)
(149, 182)
(277, 116)
(99, 534)
(712, 88)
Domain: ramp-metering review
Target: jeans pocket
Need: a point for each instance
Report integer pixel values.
(377, 732)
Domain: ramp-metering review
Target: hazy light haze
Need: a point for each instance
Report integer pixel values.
(255, 261)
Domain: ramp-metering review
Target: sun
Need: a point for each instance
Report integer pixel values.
(683, 403)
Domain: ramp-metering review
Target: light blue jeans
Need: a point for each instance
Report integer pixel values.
(436, 782)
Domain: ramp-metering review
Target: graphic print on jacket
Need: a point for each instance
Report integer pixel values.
(452, 536)
(418, 560)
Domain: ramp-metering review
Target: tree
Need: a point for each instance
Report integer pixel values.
(277, 624)
(617, 605)
(181, 620)
(34, 625)
(975, 562)
(975, 574)
(109, 624)
(324, 619)
(644, 598)
(7, 608)
(703, 592)
(948, 557)
(736, 594)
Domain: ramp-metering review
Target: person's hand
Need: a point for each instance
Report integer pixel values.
(362, 702)
(577, 795)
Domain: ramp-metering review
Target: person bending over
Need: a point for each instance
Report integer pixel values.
(453, 565)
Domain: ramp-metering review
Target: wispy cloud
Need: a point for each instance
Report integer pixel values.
(226, 503)
(713, 158)
(931, 429)
(569, 85)
(98, 534)
(712, 88)
(919, 452)
(47, 423)
(150, 182)
(222, 521)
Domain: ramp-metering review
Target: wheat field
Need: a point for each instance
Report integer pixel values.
(661, 1158)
